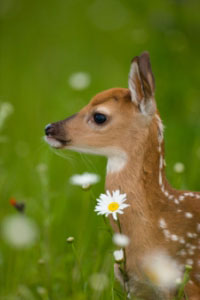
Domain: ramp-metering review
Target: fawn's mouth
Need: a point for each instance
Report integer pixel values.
(56, 142)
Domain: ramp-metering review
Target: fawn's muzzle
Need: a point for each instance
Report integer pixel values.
(55, 135)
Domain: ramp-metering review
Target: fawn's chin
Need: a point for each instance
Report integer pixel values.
(55, 143)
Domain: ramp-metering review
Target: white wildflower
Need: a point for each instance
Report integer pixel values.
(79, 80)
(162, 270)
(179, 167)
(111, 204)
(42, 291)
(118, 255)
(85, 179)
(121, 240)
(19, 231)
(98, 281)
(70, 239)
(6, 109)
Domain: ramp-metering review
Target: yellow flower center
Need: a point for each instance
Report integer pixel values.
(113, 206)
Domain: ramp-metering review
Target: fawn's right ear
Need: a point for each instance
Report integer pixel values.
(141, 84)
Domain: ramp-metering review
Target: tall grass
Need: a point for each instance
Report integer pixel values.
(42, 45)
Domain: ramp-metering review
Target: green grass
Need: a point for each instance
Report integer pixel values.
(42, 44)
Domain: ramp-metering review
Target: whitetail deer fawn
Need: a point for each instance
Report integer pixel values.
(124, 125)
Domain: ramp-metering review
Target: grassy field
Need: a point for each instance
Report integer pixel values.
(42, 44)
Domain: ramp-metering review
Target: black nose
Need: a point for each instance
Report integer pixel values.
(48, 129)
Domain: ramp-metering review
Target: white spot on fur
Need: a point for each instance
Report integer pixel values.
(193, 247)
(162, 223)
(166, 194)
(174, 237)
(181, 240)
(166, 233)
(163, 189)
(189, 234)
(189, 261)
(161, 162)
(160, 129)
(188, 215)
(160, 178)
(182, 252)
(198, 227)
(176, 201)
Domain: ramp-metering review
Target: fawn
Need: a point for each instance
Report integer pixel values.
(124, 125)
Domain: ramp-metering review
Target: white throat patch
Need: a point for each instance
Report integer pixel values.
(116, 163)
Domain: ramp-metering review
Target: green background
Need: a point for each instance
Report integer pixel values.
(42, 43)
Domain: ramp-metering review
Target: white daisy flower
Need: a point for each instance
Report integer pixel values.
(79, 80)
(19, 231)
(118, 255)
(179, 167)
(111, 204)
(85, 180)
(98, 281)
(6, 109)
(121, 240)
(162, 270)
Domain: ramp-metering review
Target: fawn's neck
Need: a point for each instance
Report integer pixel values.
(142, 178)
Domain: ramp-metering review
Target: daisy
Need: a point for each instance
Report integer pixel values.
(19, 231)
(111, 204)
(162, 270)
(85, 180)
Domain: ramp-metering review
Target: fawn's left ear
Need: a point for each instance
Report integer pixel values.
(141, 84)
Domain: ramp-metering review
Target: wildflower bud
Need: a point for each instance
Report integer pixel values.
(86, 186)
(188, 268)
(70, 239)
(118, 255)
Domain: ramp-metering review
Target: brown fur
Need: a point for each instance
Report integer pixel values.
(136, 134)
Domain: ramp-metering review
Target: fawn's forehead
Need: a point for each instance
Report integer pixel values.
(110, 96)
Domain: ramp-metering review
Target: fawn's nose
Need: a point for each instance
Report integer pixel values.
(49, 129)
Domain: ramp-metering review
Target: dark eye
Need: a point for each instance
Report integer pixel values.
(99, 118)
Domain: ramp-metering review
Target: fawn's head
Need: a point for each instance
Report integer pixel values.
(112, 118)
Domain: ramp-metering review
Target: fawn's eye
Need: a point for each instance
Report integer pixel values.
(99, 118)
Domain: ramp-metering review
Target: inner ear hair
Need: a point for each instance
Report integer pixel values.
(146, 74)
(142, 84)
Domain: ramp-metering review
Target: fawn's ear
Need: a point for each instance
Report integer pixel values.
(141, 84)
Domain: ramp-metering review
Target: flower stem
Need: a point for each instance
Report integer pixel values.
(124, 272)
(78, 263)
(186, 277)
